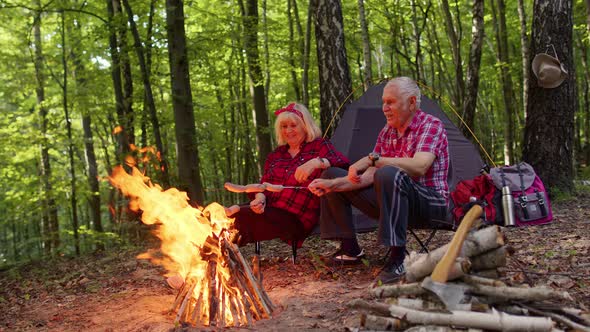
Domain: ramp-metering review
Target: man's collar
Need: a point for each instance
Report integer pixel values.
(414, 123)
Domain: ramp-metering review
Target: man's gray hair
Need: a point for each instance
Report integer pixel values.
(406, 87)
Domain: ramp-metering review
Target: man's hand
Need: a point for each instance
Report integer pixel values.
(320, 187)
(302, 172)
(257, 204)
(357, 168)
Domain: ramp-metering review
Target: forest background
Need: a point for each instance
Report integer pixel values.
(188, 89)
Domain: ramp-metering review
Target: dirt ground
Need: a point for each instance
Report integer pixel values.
(117, 292)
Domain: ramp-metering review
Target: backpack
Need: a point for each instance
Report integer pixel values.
(531, 203)
(479, 190)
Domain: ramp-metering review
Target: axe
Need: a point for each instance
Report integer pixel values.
(452, 294)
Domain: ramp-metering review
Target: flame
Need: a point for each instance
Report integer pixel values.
(117, 130)
(184, 231)
(182, 228)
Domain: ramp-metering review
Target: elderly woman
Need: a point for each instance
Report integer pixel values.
(300, 157)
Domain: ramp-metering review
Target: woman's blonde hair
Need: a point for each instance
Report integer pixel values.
(311, 128)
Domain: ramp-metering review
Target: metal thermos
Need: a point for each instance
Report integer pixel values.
(508, 207)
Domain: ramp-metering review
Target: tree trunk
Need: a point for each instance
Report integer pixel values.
(122, 144)
(148, 64)
(455, 42)
(120, 50)
(91, 164)
(149, 94)
(182, 101)
(250, 21)
(64, 86)
(548, 135)
(306, 52)
(472, 87)
(292, 64)
(524, 50)
(507, 88)
(266, 54)
(335, 82)
(367, 65)
(50, 222)
(587, 106)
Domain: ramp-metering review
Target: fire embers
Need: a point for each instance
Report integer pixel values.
(227, 295)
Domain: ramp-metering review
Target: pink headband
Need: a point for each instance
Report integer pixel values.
(290, 108)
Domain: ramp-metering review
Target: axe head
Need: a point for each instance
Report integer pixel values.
(452, 295)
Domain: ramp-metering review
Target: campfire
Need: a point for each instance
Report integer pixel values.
(219, 288)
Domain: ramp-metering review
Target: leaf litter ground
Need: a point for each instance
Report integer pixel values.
(117, 292)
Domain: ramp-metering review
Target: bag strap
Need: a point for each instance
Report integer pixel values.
(522, 198)
(521, 176)
(541, 201)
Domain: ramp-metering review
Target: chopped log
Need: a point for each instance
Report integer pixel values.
(434, 328)
(180, 295)
(234, 252)
(245, 288)
(197, 309)
(489, 274)
(213, 298)
(519, 293)
(476, 280)
(380, 323)
(234, 312)
(375, 307)
(426, 305)
(398, 290)
(491, 259)
(461, 267)
(476, 243)
(183, 306)
(256, 269)
(488, 321)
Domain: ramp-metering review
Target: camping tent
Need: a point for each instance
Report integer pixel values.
(362, 121)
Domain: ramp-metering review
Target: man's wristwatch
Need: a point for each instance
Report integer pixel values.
(373, 157)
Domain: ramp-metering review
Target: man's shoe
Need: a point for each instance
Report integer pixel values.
(390, 273)
(342, 258)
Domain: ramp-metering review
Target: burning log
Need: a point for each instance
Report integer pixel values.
(218, 299)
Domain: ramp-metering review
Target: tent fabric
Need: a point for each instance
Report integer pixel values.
(363, 119)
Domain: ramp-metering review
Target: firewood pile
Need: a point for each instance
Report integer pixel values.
(472, 298)
(219, 298)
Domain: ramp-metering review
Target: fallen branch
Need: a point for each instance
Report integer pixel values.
(518, 293)
(398, 290)
(380, 323)
(488, 321)
(559, 318)
(476, 280)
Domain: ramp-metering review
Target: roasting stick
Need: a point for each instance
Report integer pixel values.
(257, 187)
(252, 188)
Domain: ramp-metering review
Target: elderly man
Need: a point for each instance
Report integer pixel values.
(404, 180)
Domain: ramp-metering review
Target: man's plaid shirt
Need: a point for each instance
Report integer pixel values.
(425, 133)
(280, 169)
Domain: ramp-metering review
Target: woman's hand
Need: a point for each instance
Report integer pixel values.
(257, 204)
(303, 172)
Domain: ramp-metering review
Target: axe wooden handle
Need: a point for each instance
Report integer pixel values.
(442, 269)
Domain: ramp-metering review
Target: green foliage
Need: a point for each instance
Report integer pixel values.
(221, 96)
